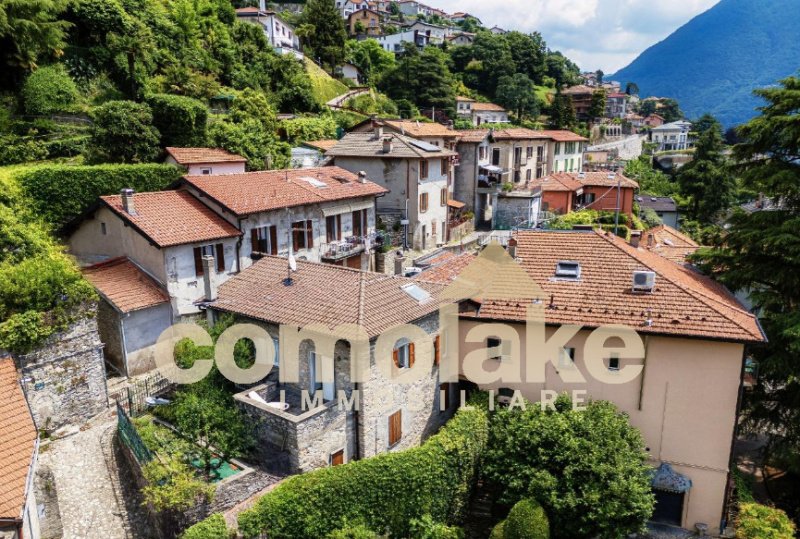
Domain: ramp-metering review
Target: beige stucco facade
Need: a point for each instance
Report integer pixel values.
(684, 403)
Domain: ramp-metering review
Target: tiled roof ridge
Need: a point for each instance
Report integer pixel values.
(108, 263)
(362, 294)
(663, 272)
(676, 233)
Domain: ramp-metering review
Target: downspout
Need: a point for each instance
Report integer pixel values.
(644, 370)
(731, 461)
(239, 248)
(357, 422)
(408, 189)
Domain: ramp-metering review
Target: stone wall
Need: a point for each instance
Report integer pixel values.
(65, 379)
(108, 326)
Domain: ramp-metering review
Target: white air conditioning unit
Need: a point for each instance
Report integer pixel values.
(644, 281)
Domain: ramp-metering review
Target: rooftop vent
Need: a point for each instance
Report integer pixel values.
(127, 201)
(644, 281)
(581, 175)
(568, 270)
(612, 175)
(387, 145)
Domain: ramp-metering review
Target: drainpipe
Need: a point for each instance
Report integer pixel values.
(357, 423)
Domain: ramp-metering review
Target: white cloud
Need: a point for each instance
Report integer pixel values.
(597, 34)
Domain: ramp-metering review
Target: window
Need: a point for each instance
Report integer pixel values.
(566, 358)
(444, 395)
(337, 458)
(496, 157)
(423, 169)
(205, 171)
(494, 345)
(568, 270)
(423, 202)
(528, 174)
(264, 240)
(613, 363)
(276, 343)
(395, 428)
(529, 152)
(443, 196)
(558, 148)
(517, 176)
(217, 251)
(302, 235)
(360, 223)
(403, 354)
(588, 198)
(445, 166)
(333, 228)
(103, 229)
(482, 151)
(416, 292)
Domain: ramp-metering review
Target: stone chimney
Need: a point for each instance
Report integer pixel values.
(512, 248)
(636, 237)
(127, 201)
(387, 145)
(362, 177)
(398, 263)
(651, 240)
(377, 128)
(209, 278)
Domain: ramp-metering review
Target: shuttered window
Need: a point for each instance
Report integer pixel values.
(395, 428)
(333, 228)
(444, 395)
(337, 458)
(403, 356)
(264, 240)
(217, 251)
(445, 167)
(302, 235)
(360, 223)
(443, 196)
(423, 202)
(423, 169)
(437, 349)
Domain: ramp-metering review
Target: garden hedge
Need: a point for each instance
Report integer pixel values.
(211, 528)
(527, 520)
(758, 521)
(60, 193)
(48, 90)
(180, 120)
(383, 493)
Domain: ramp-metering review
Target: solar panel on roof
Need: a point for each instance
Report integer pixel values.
(424, 145)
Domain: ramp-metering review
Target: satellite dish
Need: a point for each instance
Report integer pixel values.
(292, 262)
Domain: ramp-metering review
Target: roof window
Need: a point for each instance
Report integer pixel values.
(315, 182)
(416, 292)
(566, 269)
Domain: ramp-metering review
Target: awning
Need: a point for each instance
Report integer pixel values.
(455, 204)
(347, 208)
(667, 479)
(492, 168)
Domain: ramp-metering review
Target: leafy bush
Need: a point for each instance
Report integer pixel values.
(587, 468)
(60, 193)
(758, 521)
(48, 90)
(123, 132)
(385, 492)
(527, 520)
(14, 149)
(301, 130)
(180, 120)
(651, 218)
(353, 532)
(427, 528)
(211, 528)
(66, 147)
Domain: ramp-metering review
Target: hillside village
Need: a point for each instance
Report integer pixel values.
(363, 204)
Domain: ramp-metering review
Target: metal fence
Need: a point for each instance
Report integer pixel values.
(133, 399)
(131, 438)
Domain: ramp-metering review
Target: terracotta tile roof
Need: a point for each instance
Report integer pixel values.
(193, 156)
(487, 107)
(254, 192)
(465, 99)
(579, 89)
(173, 217)
(17, 442)
(368, 145)
(324, 294)
(684, 303)
(669, 243)
(323, 145)
(517, 133)
(472, 135)
(562, 135)
(572, 181)
(420, 129)
(446, 269)
(125, 285)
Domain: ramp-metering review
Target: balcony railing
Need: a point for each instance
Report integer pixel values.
(339, 250)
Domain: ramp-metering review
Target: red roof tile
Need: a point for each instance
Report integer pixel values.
(125, 285)
(254, 192)
(472, 135)
(173, 217)
(684, 302)
(323, 145)
(489, 107)
(17, 442)
(447, 269)
(669, 243)
(572, 181)
(194, 156)
(562, 135)
(420, 129)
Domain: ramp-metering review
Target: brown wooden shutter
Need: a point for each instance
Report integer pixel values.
(254, 240)
(220, 258)
(339, 227)
(396, 357)
(309, 234)
(198, 261)
(395, 427)
(437, 349)
(357, 223)
(296, 235)
(337, 458)
(273, 239)
(411, 358)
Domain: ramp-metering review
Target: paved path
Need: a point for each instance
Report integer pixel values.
(90, 484)
(339, 102)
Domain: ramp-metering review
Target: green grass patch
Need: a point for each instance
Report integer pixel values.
(323, 85)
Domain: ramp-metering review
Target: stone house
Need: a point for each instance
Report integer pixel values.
(417, 175)
(279, 33)
(134, 309)
(685, 400)
(19, 454)
(581, 96)
(461, 38)
(321, 214)
(565, 192)
(206, 160)
(369, 19)
(480, 113)
(166, 234)
(390, 415)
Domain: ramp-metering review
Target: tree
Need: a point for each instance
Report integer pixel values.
(597, 109)
(586, 468)
(707, 181)
(326, 41)
(528, 52)
(370, 58)
(599, 75)
(421, 78)
(123, 132)
(760, 253)
(30, 32)
(518, 94)
(652, 182)
(704, 123)
(48, 90)
(562, 115)
(632, 88)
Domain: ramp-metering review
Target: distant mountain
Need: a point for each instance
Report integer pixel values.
(713, 62)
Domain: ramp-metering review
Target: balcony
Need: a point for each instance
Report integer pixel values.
(340, 250)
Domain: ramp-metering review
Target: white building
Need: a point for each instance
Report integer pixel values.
(206, 160)
(279, 34)
(672, 136)
(394, 42)
(480, 113)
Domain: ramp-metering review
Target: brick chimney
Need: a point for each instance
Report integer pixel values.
(127, 201)
(636, 237)
(512, 248)
(209, 278)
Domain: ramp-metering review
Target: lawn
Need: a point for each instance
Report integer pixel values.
(325, 87)
(545, 94)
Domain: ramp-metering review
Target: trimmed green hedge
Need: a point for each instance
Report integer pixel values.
(60, 193)
(49, 89)
(211, 528)
(180, 120)
(385, 492)
(758, 521)
(527, 520)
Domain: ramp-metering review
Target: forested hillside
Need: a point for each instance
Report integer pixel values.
(715, 61)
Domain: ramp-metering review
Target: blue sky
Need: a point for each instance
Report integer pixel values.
(604, 34)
